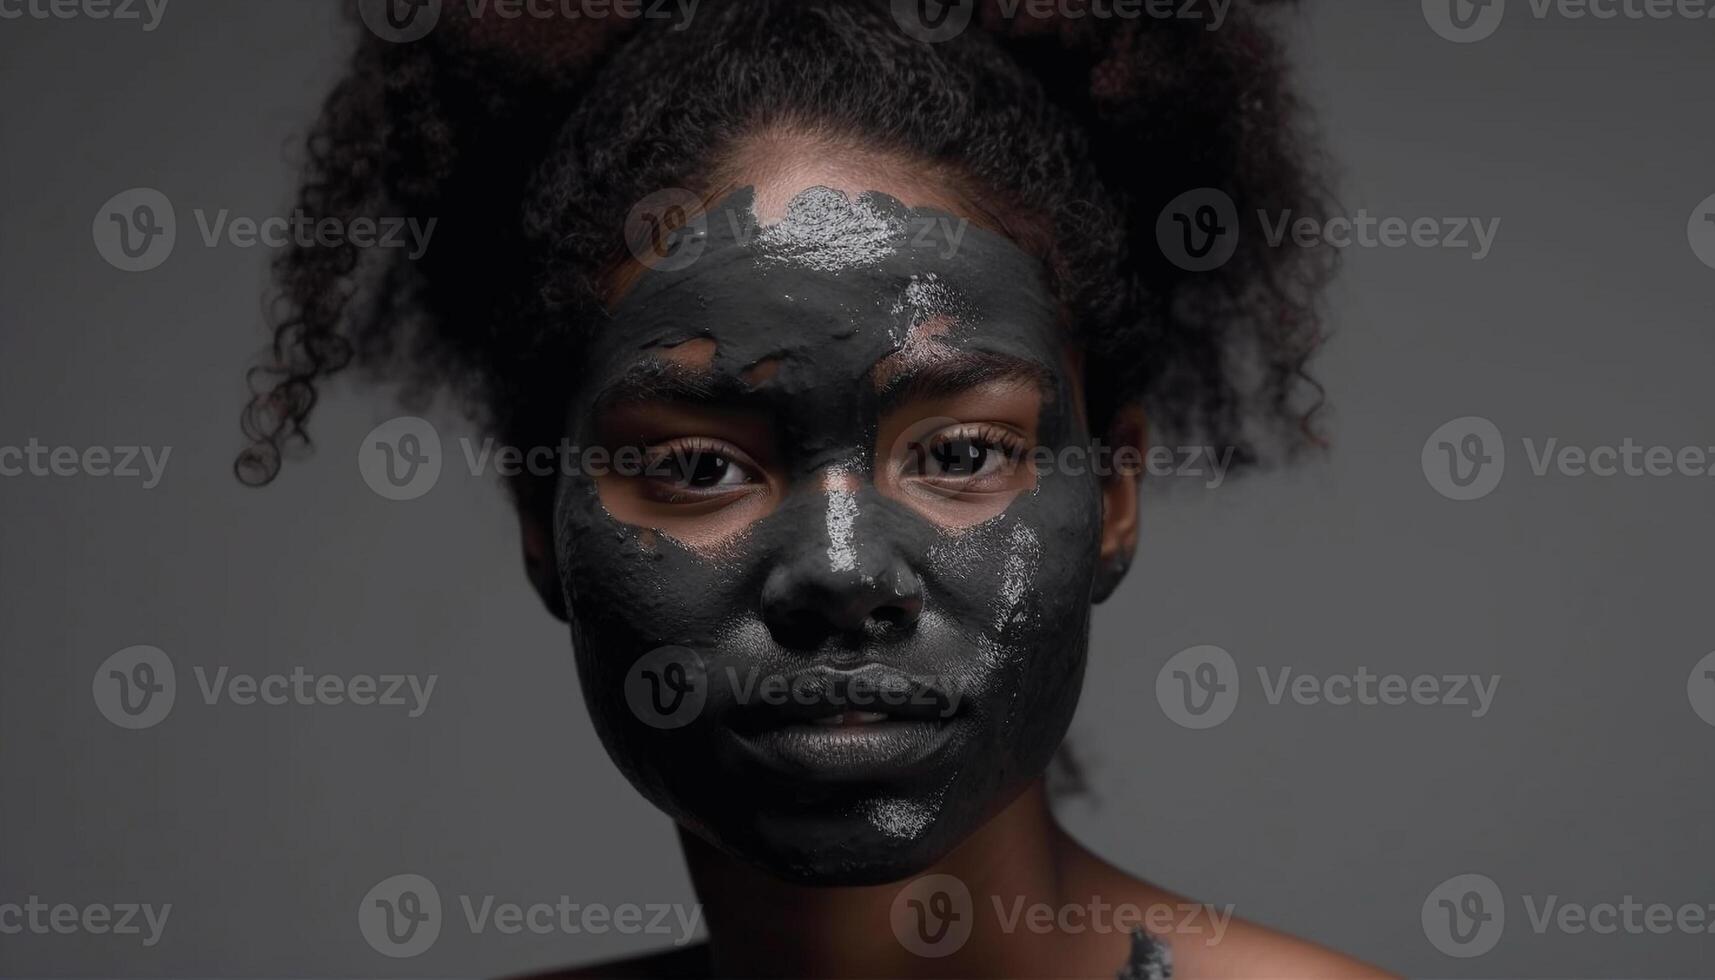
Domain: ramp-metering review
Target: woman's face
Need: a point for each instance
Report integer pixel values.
(830, 604)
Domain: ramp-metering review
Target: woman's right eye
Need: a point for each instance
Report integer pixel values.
(706, 470)
(697, 468)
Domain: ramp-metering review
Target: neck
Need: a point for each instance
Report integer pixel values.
(761, 926)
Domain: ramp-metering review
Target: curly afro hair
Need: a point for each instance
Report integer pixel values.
(529, 142)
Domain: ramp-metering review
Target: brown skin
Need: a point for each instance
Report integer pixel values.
(761, 926)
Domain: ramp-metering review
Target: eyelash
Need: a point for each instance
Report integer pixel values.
(693, 450)
(986, 437)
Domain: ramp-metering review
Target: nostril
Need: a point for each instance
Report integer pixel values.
(806, 604)
(801, 629)
(889, 616)
(897, 613)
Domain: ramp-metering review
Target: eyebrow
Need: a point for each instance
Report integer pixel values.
(654, 380)
(951, 373)
(959, 371)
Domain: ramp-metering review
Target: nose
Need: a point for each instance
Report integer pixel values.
(806, 601)
(842, 577)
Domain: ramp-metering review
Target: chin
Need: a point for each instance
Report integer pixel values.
(852, 849)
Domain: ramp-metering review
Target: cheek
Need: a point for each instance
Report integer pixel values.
(1030, 569)
(632, 588)
(709, 529)
(1023, 581)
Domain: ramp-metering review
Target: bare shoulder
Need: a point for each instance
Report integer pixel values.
(679, 963)
(1251, 951)
(1208, 940)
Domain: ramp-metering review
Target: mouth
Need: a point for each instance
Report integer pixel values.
(868, 725)
(845, 718)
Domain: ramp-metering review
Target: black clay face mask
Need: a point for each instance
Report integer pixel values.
(830, 610)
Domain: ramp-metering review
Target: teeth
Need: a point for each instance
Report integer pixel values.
(850, 718)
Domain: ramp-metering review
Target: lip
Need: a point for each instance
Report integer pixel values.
(876, 751)
(816, 692)
(839, 726)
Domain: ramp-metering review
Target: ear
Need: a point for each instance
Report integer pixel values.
(539, 563)
(1128, 436)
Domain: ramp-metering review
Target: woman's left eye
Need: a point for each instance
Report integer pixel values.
(961, 457)
(965, 455)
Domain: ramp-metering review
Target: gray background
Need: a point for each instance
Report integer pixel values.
(1590, 779)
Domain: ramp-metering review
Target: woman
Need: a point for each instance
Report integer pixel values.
(865, 312)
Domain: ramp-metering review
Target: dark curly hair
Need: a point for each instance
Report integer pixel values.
(530, 141)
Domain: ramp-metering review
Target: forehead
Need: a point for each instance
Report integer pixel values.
(832, 287)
